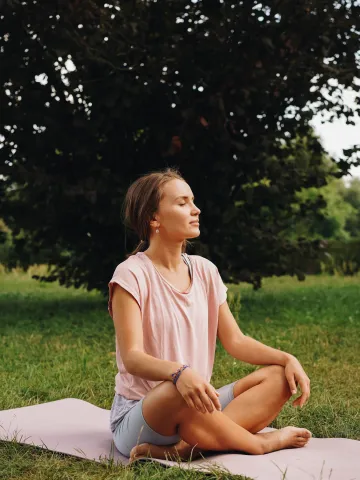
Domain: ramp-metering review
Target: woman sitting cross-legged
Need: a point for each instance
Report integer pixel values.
(168, 309)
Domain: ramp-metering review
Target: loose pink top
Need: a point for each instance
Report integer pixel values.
(177, 326)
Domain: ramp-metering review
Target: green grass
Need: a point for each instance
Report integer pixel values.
(57, 343)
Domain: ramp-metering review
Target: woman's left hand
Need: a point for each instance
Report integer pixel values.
(295, 375)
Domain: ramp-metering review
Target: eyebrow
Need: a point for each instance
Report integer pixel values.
(184, 196)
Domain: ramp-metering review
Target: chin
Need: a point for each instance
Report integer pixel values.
(194, 235)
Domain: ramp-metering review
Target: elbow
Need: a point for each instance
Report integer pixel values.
(236, 345)
(130, 362)
(128, 366)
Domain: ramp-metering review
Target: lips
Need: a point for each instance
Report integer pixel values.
(195, 223)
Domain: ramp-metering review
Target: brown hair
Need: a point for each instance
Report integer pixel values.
(142, 201)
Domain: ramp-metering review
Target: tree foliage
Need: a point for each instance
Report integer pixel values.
(220, 90)
(339, 219)
(351, 195)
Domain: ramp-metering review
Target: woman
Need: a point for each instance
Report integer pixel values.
(168, 309)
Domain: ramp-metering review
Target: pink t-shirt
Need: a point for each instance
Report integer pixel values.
(177, 326)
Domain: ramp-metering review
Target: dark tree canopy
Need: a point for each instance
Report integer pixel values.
(220, 90)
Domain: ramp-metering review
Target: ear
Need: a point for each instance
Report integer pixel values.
(154, 223)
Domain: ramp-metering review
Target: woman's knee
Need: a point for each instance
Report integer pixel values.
(276, 374)
(167, 394)
(163, 401)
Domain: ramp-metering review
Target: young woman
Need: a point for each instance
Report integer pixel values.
(168, 310)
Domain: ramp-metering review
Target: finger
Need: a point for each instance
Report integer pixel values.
(206, 401)
(305, 391)
(213, 394)
(305, 397)
(296, 402)
(198, 402)
(190, 403)
(300, 401)
(292, 385)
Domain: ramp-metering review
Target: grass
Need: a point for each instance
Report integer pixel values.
(57, 343)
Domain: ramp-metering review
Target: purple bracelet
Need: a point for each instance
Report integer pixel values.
(177, 374)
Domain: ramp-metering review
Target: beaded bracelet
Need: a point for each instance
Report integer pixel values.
(176, 374)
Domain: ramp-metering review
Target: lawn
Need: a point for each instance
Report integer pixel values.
(58, 343)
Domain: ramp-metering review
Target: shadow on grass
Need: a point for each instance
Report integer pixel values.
(18, 309)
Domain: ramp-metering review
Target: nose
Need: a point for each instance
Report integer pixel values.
(197, 210)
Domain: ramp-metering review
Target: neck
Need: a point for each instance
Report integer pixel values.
(166, 255)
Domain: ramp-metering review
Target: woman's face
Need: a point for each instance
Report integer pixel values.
(177, 211)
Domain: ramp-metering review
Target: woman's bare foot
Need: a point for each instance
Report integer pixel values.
(166, 452)
(288, 437)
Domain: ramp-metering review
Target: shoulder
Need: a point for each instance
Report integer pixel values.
(204, 265)
(131, 271)
(132, 264)
(130, 275)
(210, 275)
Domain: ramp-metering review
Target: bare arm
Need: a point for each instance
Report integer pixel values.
(129, 334)
(251, 351)
(243, 347)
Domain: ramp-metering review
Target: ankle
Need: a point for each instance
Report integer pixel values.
(266, 443)
(263, 446)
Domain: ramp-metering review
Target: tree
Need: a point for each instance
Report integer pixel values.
(351, 195)
(329, 222)
(339, 219)
(219, 90)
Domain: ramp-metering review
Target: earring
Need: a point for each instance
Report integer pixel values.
(157, 230)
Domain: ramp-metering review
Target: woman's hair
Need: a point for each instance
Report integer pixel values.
(142, 202)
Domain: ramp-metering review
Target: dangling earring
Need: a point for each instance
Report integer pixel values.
(157, 230)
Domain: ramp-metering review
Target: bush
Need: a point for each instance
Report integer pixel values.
(342, 257)
(10, 256)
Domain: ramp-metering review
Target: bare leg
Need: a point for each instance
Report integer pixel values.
(215, 431)
(246, 414)
(259, 398)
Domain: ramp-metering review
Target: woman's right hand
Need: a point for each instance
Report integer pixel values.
(197, 392)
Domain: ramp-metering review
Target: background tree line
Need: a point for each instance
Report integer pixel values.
(338, 222)
(94, 95)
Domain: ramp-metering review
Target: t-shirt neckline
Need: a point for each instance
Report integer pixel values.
(143, 255)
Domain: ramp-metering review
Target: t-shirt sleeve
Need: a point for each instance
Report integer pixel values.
(221, 288)
(128, 279)
(218, 289)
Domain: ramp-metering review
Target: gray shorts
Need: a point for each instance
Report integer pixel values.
(133, 429)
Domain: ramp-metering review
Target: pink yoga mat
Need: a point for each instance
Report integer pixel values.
(78, 428)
